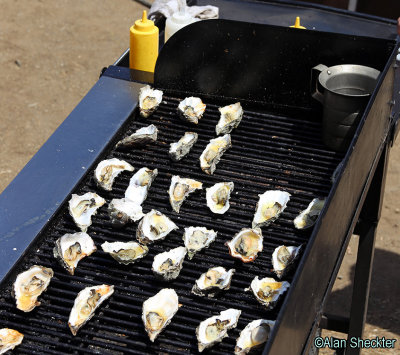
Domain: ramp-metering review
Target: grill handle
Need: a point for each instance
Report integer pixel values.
(316, 94)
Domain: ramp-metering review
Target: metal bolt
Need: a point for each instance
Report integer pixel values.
(329, 72)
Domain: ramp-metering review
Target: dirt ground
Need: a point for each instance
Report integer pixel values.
(51, 54)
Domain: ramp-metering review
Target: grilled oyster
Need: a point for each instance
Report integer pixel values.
(231, 116)
(123, 210)
(154, 226)
(70, 249)
(139, 185)
(246, 244)
(83, 207)
(282, 258)
(86, 303)
(191, 109)
(9, 339)
(253, 336)
(158, 311)
(142, 136)
(214, 329)
(267, 290)
(29, 285)
(125, 253)
(149, 100)
(213, 281)
(197, 238)
(168, 265)
(179, 189)
(179, 149)
(309, 216)
(218, 197)
(270, 205)
(213, 153)
(108, 170)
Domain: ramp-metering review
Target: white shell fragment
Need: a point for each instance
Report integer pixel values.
(29, 285)
(108, 170)
(218, 197)
(179, 189)
(86, 303)
(83, 207)
(198, 238)
(267, 290)
(158, 311)
(70, 249)
(230, 118)
(213, 281)
(125, 252)
(142, 136)
(283, 257)
(149, 100)
(255, 334)
(214, 329)
(213, 153)
(169, 264)
(139, 185)
(123, 210)
(154, 226)
(9, 339)
(309, 216)
(246, 244)
(181, 148)
(191, 109)
(269, 207)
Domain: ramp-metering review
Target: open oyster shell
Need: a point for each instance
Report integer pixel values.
(213, 153)
(108, 170)
(9, 339)
(139, 185)
(125, 252)
(86, 303)
(180, 189)
(283, 257)
(168, 265)
(123, 210)
(197, 238)
(142, 136)
(231, 116)
(246, 244)
(218, 197)
(309, 216)
(29, 285)
(181, 148)
(154, 226)
(213, 281)
(149, 100)
(253, 336)
(191, 109)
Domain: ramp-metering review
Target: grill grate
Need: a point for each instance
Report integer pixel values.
(268, 152)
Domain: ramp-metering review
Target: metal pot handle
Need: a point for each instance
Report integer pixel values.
(316, 94)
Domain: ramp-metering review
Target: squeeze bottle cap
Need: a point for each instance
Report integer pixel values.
(297, 24)
(144, 24)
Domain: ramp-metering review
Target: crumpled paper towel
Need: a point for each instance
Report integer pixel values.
(169, 7)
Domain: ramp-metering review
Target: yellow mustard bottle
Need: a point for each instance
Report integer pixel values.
(143, 44)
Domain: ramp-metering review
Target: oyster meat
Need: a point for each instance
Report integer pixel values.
(168, 265)
(255, 334)
(149, 100)
(270, 205)
(246, 244)
(123, 210)
(125, 252)
(213, 153)
(282, 258)
(70, 249)
(29, 285)
(191, 109)
(139, 185)
(179, 189)
(142, 136)
(267, 290)
(9, 339)
(158, 311)
(108, 170)
(213, 281)
(154, 226)
(231, 116)
(83, 207)
(197, 238)
(214, 329)
(309, 216)
(218, 197)
(179, 149)
(86, 303)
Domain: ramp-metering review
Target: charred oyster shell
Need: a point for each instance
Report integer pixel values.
(213, 281)
(253, 336)
(309, 216)
(154, 226)
(108, 170)
(213, 153)
(9, 339)
(231, 116)
(139, 185)
(123, 210)
(218, 197)
(142, 136)
(191, 109)
(282, 259)
(149, 100)
(125, 252)
(181, 148)
(168, 265)
(180, 189)
(198, 238)
(246, 244)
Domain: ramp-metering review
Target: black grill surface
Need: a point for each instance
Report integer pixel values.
(268, 152)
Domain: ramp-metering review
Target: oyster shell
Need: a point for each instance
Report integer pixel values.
(179, 149)
(283, 257)
(86, 303)
(158, 311)
(29, 285)
(142, 136)
(231, 116)
(154, 226)
(197, 238)
(70, 249)
(267, 290)
(168, 265)
(9, 339)
(125, 252)
(108, 170)
(213, 281)
(149, 100)
(309, 216)
(269, 207)
(83, 207)
(214, 329)
(123, 210)
(179, 189)
(255, 334)
(246, 244)
(213, 153)
(218, 197)
(191, 109)
(139, 185)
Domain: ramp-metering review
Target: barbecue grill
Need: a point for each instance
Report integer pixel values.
(277, 146)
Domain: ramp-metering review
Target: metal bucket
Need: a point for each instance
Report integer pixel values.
(346, 91)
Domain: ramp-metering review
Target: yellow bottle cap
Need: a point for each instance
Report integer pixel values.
(297, 24)
(144, 24)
